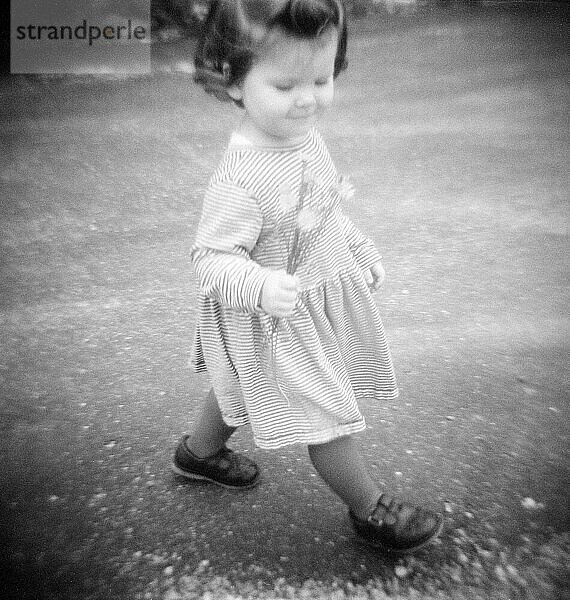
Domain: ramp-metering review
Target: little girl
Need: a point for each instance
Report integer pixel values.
(287, 327)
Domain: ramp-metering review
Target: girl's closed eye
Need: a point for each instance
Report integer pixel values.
(285, 86)
(289, 86)
(323, 81)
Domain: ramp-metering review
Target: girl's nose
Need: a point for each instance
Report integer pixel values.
(305, 99)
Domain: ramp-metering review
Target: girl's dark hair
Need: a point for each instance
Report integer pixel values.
(235, 29)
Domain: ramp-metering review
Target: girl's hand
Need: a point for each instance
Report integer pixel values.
(375, 276)
(279, 294)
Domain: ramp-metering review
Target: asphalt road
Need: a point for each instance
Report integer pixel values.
(455, 133)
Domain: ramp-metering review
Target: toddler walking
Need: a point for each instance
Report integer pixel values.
(288, 330)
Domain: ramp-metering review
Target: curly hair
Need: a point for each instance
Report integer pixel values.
(234, 31)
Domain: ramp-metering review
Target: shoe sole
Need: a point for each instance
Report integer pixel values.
(197, 477)
(379, 546)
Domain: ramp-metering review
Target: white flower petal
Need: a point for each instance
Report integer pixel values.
(287, 198)
(309, 177)
(288, 202)
(307, 219)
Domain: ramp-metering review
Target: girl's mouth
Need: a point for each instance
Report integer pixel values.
(304, 116)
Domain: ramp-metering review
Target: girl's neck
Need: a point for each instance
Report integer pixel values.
(252, 135)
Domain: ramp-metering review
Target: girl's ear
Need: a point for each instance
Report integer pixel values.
(235, 93)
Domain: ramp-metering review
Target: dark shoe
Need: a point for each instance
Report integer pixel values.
(395, 526)
(225, 468)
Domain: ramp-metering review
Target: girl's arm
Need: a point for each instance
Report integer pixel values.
(228, 231)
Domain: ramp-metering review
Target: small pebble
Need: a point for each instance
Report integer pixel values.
(515, 575)
(512, 570)
(487, 554)
(531, 504)
(401, 571)
(456, 576)
(500, 574)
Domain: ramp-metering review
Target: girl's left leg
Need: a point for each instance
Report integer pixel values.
(382, 520)
(342, 468)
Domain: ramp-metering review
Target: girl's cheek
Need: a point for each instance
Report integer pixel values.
(327, 97)
(281, 104)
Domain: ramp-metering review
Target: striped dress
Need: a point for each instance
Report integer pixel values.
(296, 379)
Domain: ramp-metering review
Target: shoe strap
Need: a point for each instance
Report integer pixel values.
(385, 511)
(221, 453)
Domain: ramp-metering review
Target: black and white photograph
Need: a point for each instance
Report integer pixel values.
(284, 300)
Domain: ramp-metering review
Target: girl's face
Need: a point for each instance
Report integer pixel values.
(288, 87)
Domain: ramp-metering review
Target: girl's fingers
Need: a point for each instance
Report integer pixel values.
(279, 293)
(284, 310)
(379, 275)
(289, 286)
(290, 283)
(285, 288)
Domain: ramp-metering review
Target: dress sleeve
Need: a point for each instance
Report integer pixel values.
(362, 248)
(228, 231)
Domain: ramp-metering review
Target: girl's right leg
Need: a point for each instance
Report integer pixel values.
(203, 454)
(210, 432)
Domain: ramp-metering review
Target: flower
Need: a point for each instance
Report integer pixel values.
(309, 177)
(307, 219)
(287, 198)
